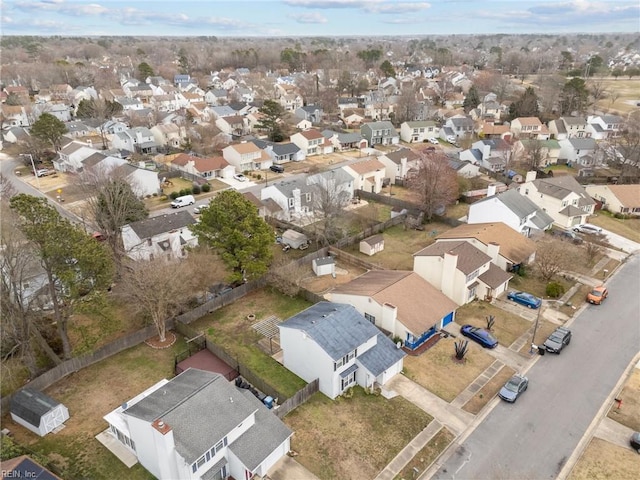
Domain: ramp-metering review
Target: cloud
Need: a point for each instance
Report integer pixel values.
(308, 18)
(400, 7)
(328, 4)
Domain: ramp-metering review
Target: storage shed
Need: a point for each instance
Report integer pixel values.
(38, 412)
(324, 266)
(372, 245)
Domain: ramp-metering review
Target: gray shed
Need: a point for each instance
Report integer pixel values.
(324, 266)
(38, 412)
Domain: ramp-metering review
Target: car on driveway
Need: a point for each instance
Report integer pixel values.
(434, 141)
(597, 295)
(45, 172)
(587, 228)
(480, 335)
(240, 177)
(515, 387)
(524, 298)
(560, 337)
(567, 235)
(199, 208)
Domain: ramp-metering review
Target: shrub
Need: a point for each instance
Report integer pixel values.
(555, 289)
(174, 195)
(185, 191)
(259, 177)
(206, 187)
(196, 189)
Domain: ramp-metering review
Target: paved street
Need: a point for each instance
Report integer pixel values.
(534, 437)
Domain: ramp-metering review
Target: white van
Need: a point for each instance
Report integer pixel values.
(183, 201)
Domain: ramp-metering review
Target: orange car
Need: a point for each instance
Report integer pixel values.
(597, 295)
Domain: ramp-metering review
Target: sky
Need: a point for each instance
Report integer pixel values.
(260, 18)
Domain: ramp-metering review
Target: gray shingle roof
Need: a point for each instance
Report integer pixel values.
(518, 204)
(469, 257)
(285, 148)
(560, 187)
(336, 327)
(31, 405)
(382, 356)
(150, 227)
(583, 143)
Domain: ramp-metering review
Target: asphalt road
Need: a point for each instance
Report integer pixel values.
(534, 437)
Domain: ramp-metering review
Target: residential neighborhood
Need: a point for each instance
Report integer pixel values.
(336, 259)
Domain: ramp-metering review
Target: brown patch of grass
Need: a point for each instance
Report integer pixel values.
(610, 267)
(507, 327)
(576, 300)
(603, 460)
(325, 283)
(428, 454)
(545, 328)
(459, 210)
(437, 371)
(629, 228)
(488, 391)
(629, 412)
(353, 438)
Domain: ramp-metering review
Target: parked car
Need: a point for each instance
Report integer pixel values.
(587, 228)
(480, 335)
(434, 141)
(277, 168)
(45, 172)
(524, 298)
(557, 340)
(199, 208)
(634, 441)
(515, 387)
(183, 201)
(597, 295)
(240, 177)
(568, 235)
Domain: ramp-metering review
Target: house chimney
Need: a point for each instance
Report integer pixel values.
(493, 249)
(491, 190)
(449, 269)
(531, 176)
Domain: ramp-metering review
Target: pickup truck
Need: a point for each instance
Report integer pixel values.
(557, 340)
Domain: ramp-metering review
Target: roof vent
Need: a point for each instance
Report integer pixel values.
(125, 406)
(161, 424)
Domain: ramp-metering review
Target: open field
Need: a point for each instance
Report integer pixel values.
(621, 95)
(353, 438)
(89, 394)
(439, 372)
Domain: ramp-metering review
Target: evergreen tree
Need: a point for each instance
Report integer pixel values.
(272, 121)
(50, 129)
(574, 96)
(472, 99)
(525, 106)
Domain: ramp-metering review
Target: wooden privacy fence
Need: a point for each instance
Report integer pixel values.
(299, 398)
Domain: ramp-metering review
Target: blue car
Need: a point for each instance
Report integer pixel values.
(480, 335)
(526, 299)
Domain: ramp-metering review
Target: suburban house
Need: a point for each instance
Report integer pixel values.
(380, 133)
(336, 185)
(143, 182)
(294, 197)
(334, 343)
(137, 139)
(507, 248)
(529, 127)
(547, 151)
(281, 152)
(623, 199)
(352, 117)
(465, 169)
(199, 426)
(233, 125)
(165, 236)
(492, 154)
(569, 127)
(399, 302)
(563, 198)
(418, 132)
(461, 126)
(210, 167)
(344, 141)
(602, 127)
(16, 115)
(246, 156)
(461, 271)
(368, 175)
(168, 135)
(399, 163)
(309, 141)
(512, 209)
(492, 130)
(71, 156)
(578, 151)
(311, 113)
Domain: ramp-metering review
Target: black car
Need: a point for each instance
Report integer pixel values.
(557, 340)
(277, 168)
(634, 441)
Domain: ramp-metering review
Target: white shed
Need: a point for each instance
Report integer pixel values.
(37, 412)
(371, 245)
(324, 266)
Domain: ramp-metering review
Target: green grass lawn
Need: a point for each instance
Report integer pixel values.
(230, 328)
(629, 228)
(353, 438)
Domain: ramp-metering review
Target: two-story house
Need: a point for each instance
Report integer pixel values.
(563, 198)
(461, 126)
(529, 127)
(399, 163)
(546, 152)
(368, 175)
(334, 343)
(418, 132)
(569, 127)
(399, 302)
(71, 156)
(578, 151)
(312, 113)
(136, 139)
(233, 125)
(461, 271)
(334, 187)
(512, 209)
(492, 154)
(199, 426)
(602, 127)
(294, 197)
(310, 141)
(163, 236)
(380, 133)
(246, 156)
(168, 135)
(281, 153)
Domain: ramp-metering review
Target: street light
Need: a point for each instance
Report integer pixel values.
(33, 165)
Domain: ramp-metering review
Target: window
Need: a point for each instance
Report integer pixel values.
(564, 203)
(370, 317)
(291, 203)
(344, 360)
(345, 382)
(307, 197)
(472, 292)
(473, 275)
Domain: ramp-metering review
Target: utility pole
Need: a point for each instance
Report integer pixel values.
(535, 327)
(33, 165)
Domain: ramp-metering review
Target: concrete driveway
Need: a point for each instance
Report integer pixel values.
(623, 243)
(288, 469)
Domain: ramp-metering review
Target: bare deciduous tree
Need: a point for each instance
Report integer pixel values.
(330, 196)
(551, 258)
(287, 276)
(435, 182)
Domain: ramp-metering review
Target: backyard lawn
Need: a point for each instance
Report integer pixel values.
(353, 438)
(437, 371)
(90, 394)
(508, 327)
(230, 328)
